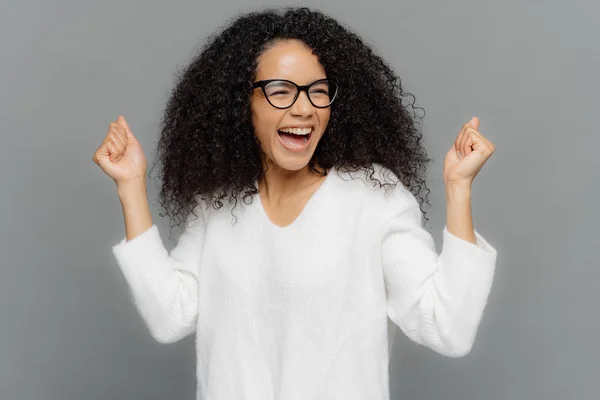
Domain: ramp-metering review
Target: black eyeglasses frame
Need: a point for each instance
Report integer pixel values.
(262, 84)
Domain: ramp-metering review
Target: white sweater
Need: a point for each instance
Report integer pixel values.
(301, 312)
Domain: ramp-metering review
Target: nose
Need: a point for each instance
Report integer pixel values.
(302, 105)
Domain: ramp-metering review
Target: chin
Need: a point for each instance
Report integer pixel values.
(292, 163)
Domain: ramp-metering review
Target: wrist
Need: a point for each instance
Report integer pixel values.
(458, 191)
(133, 186)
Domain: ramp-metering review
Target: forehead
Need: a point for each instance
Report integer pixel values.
(290, 59)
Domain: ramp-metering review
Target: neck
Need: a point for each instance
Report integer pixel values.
(278, 183)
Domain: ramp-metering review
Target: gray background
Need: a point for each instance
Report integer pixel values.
(528, 69)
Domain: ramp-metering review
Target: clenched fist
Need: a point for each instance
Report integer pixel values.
(120, 155)
(467, 155)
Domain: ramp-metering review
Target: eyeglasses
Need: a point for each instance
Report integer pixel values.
(281, 93)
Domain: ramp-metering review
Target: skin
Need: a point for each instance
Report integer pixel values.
(288, 183)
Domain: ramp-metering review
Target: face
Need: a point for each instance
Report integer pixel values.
(291, 60)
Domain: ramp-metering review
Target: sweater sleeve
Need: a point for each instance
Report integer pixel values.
(436, 300)
(164, 286)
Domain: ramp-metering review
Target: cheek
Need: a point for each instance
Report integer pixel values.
(265, 127)
(265, 123)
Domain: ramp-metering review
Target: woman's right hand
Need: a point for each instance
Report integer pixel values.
(120, 155)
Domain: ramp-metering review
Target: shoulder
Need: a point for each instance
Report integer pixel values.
(375, 194)
(378, 184)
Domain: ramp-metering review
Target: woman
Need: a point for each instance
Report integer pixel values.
(300, 173)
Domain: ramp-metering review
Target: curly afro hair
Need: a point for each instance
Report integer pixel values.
(207, 146)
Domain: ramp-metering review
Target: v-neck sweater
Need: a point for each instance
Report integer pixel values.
(309, 310)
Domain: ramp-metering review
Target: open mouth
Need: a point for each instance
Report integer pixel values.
(298, 139)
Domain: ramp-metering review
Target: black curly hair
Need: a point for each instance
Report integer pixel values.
(207, 146)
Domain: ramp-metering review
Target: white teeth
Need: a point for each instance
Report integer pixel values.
(297, 131)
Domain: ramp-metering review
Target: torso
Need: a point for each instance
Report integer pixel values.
(287, 311)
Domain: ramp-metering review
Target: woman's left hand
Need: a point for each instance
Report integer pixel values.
(467, 155)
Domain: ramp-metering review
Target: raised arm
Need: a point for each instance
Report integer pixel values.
(164, 286)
